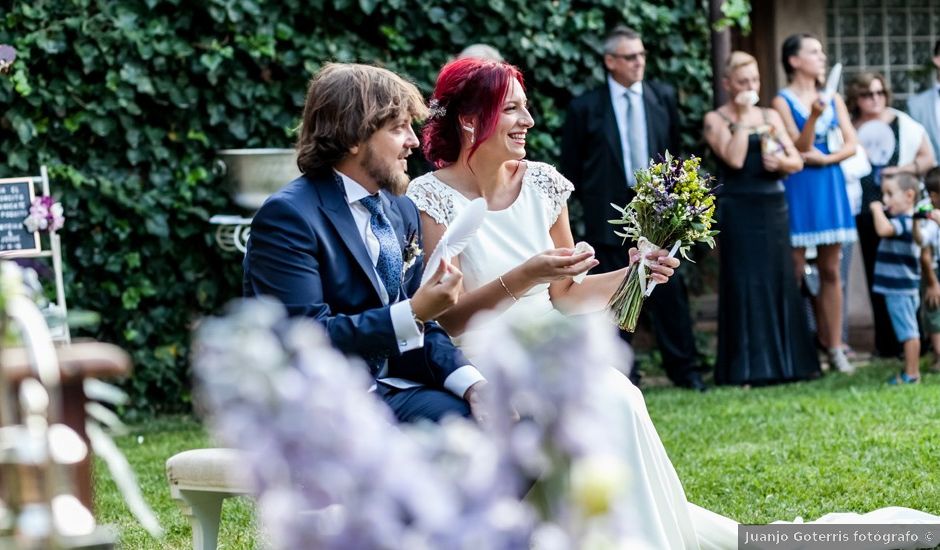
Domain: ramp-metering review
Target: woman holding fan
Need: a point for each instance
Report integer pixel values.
(820, 214)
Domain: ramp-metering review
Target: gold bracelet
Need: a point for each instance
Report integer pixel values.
(506, 288)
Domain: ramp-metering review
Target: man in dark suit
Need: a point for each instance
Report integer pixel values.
(609, 132)
(341, 245)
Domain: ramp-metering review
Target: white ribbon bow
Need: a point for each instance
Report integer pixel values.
(646, 248)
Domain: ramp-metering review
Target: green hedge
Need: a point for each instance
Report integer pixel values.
(127, 100)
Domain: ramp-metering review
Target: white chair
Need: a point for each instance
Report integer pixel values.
(200, 480)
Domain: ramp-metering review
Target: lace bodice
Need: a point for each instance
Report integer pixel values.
(436, 198)
(507, 237)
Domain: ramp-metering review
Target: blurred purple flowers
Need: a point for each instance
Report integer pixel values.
(557, 373)
(332, 470)
(45, 214)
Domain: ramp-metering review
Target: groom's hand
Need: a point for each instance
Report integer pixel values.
(438, 294)
(474, 398)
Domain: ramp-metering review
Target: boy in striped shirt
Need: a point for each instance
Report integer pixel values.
(897, 266)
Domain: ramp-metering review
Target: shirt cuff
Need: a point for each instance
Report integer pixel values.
(407, 333)
(461, 379)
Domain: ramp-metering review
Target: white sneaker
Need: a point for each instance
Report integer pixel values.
(838, 360)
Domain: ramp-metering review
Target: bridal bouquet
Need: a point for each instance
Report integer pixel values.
(673, 207)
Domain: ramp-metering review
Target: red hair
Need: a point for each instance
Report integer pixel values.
(466, 87)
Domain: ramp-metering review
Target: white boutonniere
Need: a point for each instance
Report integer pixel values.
(411, 253)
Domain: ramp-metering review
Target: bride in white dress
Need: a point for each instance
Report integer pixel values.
(522, 258)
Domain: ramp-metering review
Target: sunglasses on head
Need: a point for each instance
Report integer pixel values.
(629, 57)
(869, 95)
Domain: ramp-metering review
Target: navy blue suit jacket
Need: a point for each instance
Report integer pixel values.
(305, 250)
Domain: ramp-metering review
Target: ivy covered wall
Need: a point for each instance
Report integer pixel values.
(126, 101)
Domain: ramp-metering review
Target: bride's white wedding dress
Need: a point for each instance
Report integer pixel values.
(509, 237)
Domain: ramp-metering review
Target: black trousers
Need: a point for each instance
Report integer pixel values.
(667, 309)
(886, 343)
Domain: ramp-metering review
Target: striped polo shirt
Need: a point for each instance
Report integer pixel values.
(897, 264)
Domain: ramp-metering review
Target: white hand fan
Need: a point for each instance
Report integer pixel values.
(878, 140)
(455, 239)
(832, 83)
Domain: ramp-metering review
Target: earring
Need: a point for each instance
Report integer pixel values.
(473, 138)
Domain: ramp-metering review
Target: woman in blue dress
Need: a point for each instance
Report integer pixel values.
(820, 214)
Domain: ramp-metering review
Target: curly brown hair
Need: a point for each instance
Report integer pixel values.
(347, 103)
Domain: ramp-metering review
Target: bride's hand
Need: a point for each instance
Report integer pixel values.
(556, 264)
(661, 266)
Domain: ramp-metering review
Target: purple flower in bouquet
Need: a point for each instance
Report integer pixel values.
(674, 206)
(45, 214)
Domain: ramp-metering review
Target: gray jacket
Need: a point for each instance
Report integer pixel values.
(923, 108)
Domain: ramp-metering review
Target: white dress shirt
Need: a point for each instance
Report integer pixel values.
(619, 95)
(407, 332)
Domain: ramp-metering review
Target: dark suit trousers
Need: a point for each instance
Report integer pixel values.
(422, 403)
(668, 311)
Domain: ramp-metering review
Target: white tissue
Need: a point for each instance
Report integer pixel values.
(580, 248)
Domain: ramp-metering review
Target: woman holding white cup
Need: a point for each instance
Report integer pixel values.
(762, 333)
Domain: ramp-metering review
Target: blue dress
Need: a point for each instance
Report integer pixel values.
(820, 213)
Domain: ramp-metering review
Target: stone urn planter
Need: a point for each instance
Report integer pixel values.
(251, 175)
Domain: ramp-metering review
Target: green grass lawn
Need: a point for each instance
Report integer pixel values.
(147, 448)
(839, 444)
(843, 443)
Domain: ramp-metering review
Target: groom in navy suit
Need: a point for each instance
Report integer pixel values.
(341, 245)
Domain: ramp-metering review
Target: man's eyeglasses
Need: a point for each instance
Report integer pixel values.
(869, 95)
(631, 57)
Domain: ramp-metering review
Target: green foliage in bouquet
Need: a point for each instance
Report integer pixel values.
(674, 203)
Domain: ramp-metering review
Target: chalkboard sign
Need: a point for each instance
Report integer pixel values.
(16, 196)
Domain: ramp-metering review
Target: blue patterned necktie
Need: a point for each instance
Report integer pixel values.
(389, 264)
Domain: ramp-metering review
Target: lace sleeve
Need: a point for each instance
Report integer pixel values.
(431, 198)
(553, 186)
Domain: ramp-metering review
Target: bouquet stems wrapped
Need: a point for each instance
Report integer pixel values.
(674, 203)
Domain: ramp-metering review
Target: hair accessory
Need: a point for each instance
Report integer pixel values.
(436, 109)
